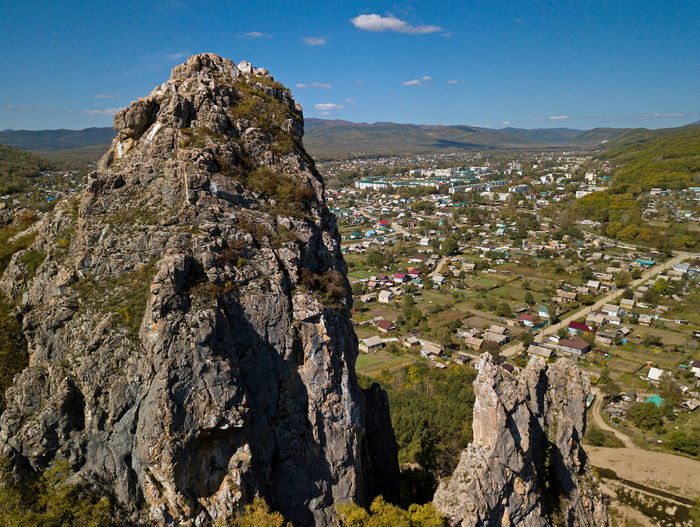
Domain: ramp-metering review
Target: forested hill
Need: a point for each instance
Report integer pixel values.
(672, 161)
(552, 136)
(17, 166)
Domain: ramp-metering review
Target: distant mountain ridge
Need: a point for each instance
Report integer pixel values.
(39, 140)
(336, 138)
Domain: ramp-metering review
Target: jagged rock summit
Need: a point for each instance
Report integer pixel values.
(525, 466)
(187, 327)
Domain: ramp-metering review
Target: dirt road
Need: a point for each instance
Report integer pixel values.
(600, 422)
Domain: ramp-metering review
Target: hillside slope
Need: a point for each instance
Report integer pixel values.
(670, 161)
(18, 167)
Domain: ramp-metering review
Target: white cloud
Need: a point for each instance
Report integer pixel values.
(314, 41)
(391, 23)
(315, 85)
(414, 82)
(358, 82)
(455, 81)
(426, 79)
(558, 117)
(106, 96)
(665, 115)
(21, 108)
(256, 34)
(106, 111)
(329, 106)
(350, 101)
(323, 113)
(506, 123)
(537, 120)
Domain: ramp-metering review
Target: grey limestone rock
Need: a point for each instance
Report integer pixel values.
(188, 329)
(525, 465)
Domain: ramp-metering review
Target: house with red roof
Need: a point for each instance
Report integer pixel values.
(579, 327)
(527, 320)
(385, 326)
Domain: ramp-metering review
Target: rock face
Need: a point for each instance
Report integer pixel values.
(526, 465)
(189, 338)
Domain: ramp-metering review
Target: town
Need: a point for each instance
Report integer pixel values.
(530, 254)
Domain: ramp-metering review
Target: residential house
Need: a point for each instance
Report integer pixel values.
(527, 320)
(429, 350)
(593, 284)
(602, 340)
(400, 278)
(418, 258)
(386, 326)
(654, 374)
(695, 368)
(645, 320)
(473, 343)
(495, 328)
(539, 351)
(574, 346)
(371, 344)
(627, 304)
(579, 327)
(495, 337)
(655, 400)
(612, 310)
(411, 342)
(385, 297)
(543, 312)
(566, 296)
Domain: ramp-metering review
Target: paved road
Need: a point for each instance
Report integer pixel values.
(564, 323)
(600, 422)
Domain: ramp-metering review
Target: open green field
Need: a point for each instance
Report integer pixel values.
(365, 360)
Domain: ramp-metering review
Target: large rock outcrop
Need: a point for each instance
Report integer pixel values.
(526, 465)
(190, 345)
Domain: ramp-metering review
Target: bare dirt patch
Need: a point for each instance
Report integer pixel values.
(674, 474)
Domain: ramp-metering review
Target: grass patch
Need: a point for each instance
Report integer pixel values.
(126, 296)
(363, 361)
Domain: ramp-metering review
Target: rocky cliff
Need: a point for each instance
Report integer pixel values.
(526, 465)
(187, 326)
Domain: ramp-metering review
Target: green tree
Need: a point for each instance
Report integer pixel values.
(622, 279)
(527, 338)
(529, 299)
(358, 288)
(503, 310)
(444, 336)
(258, 514)
(383, 514)
(374, 259)
(660, 286)
(646, 416)
(611, 389)
(450, 246)
(587, 273)
(48, 500)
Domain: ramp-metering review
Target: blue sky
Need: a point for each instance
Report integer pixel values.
(527, 64)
